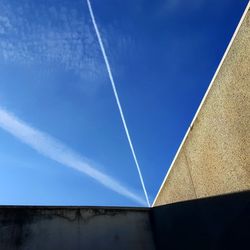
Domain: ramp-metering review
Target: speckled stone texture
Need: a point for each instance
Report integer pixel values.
(215, 157)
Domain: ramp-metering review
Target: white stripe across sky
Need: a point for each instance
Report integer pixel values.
(61, 153)
(117, 98)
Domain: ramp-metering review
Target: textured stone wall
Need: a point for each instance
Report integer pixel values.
(69, 228)
(215, 156)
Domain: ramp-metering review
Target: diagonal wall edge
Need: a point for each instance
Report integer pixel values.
(215, 149)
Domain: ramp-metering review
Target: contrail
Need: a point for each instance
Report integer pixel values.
(57, 151)
(116, 97)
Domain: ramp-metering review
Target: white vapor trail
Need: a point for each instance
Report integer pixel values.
(57, 151)
(117, 98)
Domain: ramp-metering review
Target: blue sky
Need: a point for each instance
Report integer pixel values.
(62, 141)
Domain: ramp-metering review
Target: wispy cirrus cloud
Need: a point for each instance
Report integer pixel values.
(57, 151)
(57, 36)
(4, 24)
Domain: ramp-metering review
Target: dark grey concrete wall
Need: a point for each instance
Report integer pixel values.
(72, 228)
(215, 223)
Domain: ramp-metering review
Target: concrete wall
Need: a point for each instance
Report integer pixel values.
(214, 223)
(220, 222)
(215, 156)
(68, 228)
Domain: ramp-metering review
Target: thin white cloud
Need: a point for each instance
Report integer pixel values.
(4, 24)
(53, 36)
(117, 99)
(57, 151)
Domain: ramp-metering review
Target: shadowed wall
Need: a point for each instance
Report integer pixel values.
(69, 228)
(214, 223)
(220, 222)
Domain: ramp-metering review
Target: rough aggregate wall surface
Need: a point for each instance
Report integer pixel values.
(215, 157)
(74, 228)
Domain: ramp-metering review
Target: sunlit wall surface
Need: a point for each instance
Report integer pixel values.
(62, 141)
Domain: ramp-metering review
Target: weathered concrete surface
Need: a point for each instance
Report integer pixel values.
(215, 156)
(214, 223)
(72, 228)
(220, 222)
